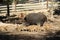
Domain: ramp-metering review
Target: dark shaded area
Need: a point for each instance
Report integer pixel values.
(55, 37)
(57, 34)
(12, 19)
(17, 37)
(2, 17)
(7, 36)
(4, 2)
(1, 1)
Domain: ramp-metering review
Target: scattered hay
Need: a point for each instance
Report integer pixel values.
(32, 28)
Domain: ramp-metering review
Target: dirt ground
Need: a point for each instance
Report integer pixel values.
(9, 31)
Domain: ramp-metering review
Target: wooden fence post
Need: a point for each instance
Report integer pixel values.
(47, 4)
(8, 12)
(14, 5)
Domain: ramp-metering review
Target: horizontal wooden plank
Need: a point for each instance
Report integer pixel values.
(28, 6)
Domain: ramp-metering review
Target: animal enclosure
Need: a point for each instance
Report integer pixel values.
(13, 27)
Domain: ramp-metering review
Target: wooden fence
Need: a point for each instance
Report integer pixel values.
(27, 6)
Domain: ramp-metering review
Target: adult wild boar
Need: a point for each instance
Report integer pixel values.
(35, 18)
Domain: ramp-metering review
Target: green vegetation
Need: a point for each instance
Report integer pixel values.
(23, 1)
(5, 1)
(18, 1)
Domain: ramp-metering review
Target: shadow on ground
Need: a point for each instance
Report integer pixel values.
(5, 36)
